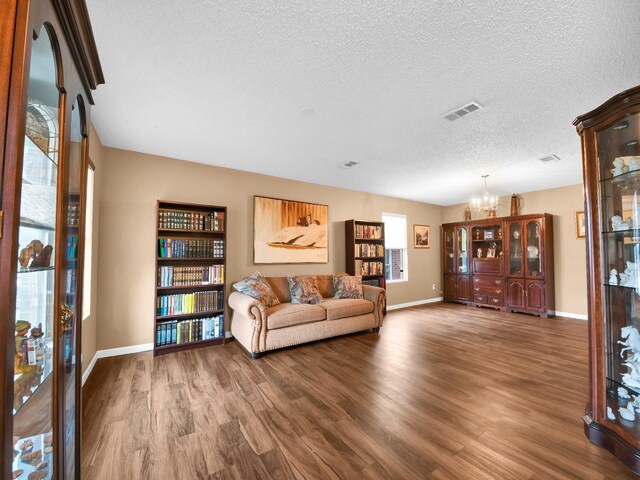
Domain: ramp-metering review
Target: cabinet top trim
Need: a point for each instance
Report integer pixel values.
(615, 104)
(495, 220)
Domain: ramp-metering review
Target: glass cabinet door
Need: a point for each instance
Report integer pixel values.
(533, 249)
(35, 331)
(619, 154)
(70, 305)
(449, 250)
(462, 250)
(516, 266)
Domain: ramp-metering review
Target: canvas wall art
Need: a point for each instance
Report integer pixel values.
(288, 231)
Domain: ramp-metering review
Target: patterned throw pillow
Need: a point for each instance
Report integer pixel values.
(347, 286)
(304, 289)
(256, 286)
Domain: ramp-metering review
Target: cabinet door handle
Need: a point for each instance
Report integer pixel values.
(477, 289)
(495, 300)
(497, 282)
(498, 291)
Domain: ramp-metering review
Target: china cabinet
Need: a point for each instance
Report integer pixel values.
(455, 262)
(45, 97)
(611, 167)
(511, 265)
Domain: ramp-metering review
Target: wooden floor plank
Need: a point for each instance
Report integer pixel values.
(444, 392)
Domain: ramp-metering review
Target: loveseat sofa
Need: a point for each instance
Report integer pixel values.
(259, 328)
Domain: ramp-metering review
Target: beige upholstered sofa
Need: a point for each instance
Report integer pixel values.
(260, 329)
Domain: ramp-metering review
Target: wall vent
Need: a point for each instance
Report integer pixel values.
(348, 164)
(462, 111)
(550, 158)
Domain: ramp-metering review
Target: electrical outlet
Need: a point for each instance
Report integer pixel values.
(434, 287)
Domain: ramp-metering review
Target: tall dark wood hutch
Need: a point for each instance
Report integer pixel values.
(505, 263)
(48, 68)
(610, 138)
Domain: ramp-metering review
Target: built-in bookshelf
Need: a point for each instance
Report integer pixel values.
(190, 293)
(365, 251)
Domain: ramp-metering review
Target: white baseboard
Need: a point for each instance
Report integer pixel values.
(414, 304)
(577, 316)
(92, 364)
(114, 352)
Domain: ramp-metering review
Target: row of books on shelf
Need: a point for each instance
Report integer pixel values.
(373, 282)
(373, 232)
(176, 248)
(369, 250)
(72, 247)
(177, 332)
(184, 276)
(369, 268)
(183, 303)
(179, 220)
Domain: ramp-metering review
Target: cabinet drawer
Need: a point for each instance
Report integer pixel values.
(488, 265)
(499, 301)
(480, 298)
(481, 281)
(495, 291)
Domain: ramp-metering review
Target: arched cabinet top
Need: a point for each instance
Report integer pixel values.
(614, 105)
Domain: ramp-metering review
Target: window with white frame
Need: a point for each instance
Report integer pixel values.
(395, 247)
(88, 244)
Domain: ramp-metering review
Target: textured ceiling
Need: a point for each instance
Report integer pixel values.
(225, 83)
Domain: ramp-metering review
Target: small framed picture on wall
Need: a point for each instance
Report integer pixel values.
(581, 228)
(421, 236)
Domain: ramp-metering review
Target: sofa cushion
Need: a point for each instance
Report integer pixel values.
(280, 286)
(290, 314)
(325, 285)
(256, 286)
(346, 307)
(304, 289)
(347, 286)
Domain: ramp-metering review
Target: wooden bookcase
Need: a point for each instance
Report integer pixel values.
(365, 251)
(190, 293)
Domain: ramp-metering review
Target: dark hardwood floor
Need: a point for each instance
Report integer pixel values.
(444, 392)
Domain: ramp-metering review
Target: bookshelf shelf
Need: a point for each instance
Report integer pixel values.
(186, 236)
(181, 316)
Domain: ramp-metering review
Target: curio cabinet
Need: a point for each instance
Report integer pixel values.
(611, 165)
(48, 68)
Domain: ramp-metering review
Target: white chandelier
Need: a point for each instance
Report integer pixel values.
(488, 203)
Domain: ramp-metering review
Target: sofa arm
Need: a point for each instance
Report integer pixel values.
(378, 296)
(248, 322)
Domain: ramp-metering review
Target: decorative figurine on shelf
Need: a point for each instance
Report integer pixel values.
(20, 364)
(632, 340)
(44, 258)
(610, 414)
(628, 412)
(30, 252)
(514, 205)
(620, 166)
(628, 278)
(634, 164)
(479, 254)
(617, 223)
(36, 332)
(467, 214)
(622, 393)
(613, 277)
(532, 251)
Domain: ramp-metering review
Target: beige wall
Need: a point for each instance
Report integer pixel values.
(132, 184)
(89, 325)
(569, 251)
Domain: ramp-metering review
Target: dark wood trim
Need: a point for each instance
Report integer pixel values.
(606, 438)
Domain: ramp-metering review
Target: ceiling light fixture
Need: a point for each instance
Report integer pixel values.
(488, 203)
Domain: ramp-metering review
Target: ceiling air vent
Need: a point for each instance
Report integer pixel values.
(550, 158)
(348, 164)
(462, 111)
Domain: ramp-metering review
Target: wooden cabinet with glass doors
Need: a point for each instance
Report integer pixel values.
(511, 263)
(44, 159)
(455, 261)
(530, 286)
(611, 165)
